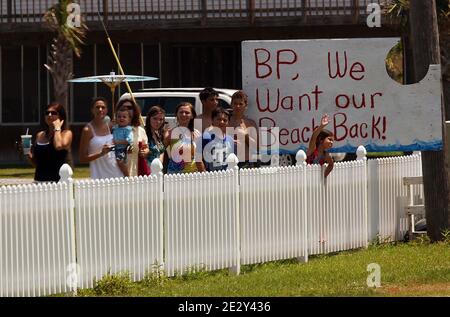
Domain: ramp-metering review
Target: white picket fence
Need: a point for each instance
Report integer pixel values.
(273, 222)
(119, 226)
(52, 233)
(387, 195)
(337, 210)
(201, 227)
(36, 239)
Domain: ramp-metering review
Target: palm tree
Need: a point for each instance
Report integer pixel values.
(66, 42)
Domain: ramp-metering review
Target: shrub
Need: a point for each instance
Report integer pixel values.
(379, 241)
(446, 235)
(156, 276)
(118, 284)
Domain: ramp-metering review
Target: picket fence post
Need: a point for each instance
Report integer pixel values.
(232, 162)
(156, 169)
(300, 158)
(73, 278)
(361, 155)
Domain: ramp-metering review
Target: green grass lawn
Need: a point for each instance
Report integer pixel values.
(28, 172)
(413, 269)
(383, 154)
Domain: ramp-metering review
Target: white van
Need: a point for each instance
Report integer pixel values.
(170, 98)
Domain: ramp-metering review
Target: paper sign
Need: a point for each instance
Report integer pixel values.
(292, 83)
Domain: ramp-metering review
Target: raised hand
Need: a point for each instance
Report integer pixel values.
(57, 124)
(325, 120)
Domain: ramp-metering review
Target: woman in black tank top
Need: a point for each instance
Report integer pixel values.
(52, 145)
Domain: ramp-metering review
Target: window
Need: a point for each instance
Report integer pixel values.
(167, 103)
(146, 103)
(83, 92)
(11, 84)
(21, 82)
(170, 104)
(224, 104)
(31, 84)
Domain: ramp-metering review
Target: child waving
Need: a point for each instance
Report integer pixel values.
(321, 141)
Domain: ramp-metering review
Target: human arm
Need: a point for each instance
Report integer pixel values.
(142, 142)
(86, 136)
(167, 137)
(30, 156)
(31, 159)
(197, 143)
(312, 142)
(330, 162)
(200, 166)
(61, 139)
(252, 141)
(144, 151)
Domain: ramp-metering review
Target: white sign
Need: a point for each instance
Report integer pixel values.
(292, 83)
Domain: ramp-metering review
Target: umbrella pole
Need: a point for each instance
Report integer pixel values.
(113, 89)
(121, 71)
(120, 66)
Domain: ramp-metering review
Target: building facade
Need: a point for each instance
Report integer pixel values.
(185, 43)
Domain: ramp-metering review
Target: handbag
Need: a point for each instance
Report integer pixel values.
(143, 168)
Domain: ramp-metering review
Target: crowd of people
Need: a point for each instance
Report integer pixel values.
(121, 147)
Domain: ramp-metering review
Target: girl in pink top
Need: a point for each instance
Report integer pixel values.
(321, 141)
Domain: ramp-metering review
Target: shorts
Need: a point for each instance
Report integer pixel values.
(121, 154)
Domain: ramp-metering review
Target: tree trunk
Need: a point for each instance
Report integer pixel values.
(425, 48)
(62, 60)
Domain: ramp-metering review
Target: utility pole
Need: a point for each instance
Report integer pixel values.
(424, 36)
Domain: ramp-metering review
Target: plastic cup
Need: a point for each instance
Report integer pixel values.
(26, 143)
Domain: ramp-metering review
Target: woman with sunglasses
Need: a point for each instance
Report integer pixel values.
(139, 148)
(52, 148)
(97, 142)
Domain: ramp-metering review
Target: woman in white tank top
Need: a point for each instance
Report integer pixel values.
(96, 142)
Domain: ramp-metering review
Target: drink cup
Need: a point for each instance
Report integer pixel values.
(26, 143)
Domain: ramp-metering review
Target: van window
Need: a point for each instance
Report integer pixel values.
(168, 103)
(224, 104)
(146, 102)
(171, 103)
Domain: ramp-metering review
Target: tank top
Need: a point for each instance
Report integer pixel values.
(315, 158)
(175, 152)
(48, 161)
(155, 148)
(106, 165)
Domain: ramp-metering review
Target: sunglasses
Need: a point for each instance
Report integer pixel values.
(53, 113)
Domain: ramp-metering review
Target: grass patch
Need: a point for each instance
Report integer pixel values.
(384, 154)
(25, 172)
(407, 269)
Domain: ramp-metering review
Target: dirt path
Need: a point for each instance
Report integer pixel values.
(438, 289)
